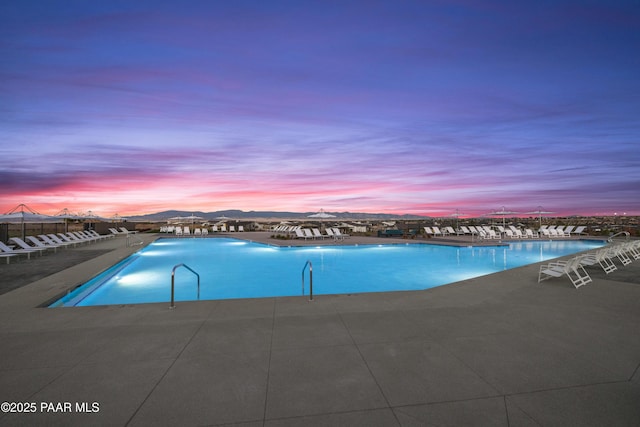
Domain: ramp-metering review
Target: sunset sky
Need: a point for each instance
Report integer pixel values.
(400, 107)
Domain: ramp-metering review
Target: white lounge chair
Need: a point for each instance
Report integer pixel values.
(579, 230)
(41, 244)
(489, 233)
(600, 257)
(331, 234)
(24, 246)
(529, 234)
(232, 229)
(84, 236)
(70, 237)
(551, 232)
(317, 234)
(517, 232)
(59, 240)
(49, 241)
(633, 249)
(509, 234)
(302, 235)
(100, 236)
(437, 231)
(240, 228)
(7, 250)
(473, 229)
(619, 252)
(7, 256)
(572, 268)
(336, 232)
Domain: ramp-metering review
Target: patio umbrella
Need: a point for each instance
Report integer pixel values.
(322, 215)
(66, 215)
(222, 219)
(93, 218)
(22, 214)
(116, 218)
(503, 213)
(191, 218)
(540, 212)
(194, 218)
(457, 215)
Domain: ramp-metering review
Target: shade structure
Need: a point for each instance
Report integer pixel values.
(116, 219)
(66, 215)
(23, 214)
(186, 219)
(322, 215)
(503, 213)
(540, 212)
(457, 216)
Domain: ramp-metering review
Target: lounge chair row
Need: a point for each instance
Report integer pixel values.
(286, 230)
(46, 242)
(559, 231)
(605, 257)
(510, 232)
(314, 233)
(204, 231)
(121, 230)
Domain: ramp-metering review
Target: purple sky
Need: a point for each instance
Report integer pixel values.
(419, 107)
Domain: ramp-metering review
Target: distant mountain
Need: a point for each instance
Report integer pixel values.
(239, 214)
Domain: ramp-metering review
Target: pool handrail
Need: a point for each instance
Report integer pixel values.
(310, 279)
(173, 277)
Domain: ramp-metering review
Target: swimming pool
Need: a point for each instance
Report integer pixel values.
(231, 268)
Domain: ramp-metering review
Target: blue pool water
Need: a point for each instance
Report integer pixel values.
(231, 268)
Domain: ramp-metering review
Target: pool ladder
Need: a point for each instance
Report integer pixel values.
(622, 233)
(134, 243)
(173, 280)
(310, 279)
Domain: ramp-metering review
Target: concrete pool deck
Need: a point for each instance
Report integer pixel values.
(496, 350)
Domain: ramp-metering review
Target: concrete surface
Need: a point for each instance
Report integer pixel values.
(497, 350)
